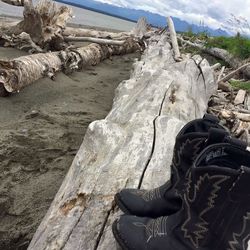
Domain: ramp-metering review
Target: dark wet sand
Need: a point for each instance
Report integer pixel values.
(41, 129)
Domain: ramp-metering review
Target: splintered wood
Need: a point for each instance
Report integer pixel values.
(131, 147)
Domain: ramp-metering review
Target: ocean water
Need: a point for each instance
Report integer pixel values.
(82, 16)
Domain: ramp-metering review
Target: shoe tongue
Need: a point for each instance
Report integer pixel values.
(200, 125)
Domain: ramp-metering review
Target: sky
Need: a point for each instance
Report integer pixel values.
(213, 13)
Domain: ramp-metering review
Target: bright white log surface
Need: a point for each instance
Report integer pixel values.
(132, 147)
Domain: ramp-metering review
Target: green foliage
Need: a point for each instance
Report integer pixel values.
(238, 46)
(190, 32)
(240, 85)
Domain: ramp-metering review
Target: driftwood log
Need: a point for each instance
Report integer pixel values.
(222, 54)
(174, 42)
(131, 147)
(44, 26)
(20, 72)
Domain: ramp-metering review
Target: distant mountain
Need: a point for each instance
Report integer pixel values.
(133, 15)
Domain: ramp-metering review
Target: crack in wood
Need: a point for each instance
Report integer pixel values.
(154, 137)
(201, 71)
(104, 225)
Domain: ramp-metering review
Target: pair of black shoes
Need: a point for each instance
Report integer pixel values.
(206, 203)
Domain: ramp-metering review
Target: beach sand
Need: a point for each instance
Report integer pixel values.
(41, 129)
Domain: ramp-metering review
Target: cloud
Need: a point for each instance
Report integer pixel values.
(214, 13)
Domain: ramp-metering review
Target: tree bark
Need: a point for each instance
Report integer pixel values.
(131, 147)
(20, 72)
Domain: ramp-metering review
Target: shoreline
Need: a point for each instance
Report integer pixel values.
(81, 17)
(94, 10)
(10, 19)
(41, 130)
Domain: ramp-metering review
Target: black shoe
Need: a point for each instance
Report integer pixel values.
(165, 199)
(216, 208)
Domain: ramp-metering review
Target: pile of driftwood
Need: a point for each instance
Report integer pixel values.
(44, 34)
(233, 108)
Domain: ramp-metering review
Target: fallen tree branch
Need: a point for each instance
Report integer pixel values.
(227, 114)
(81, 32)
(221, 54)
(173, 38)
(93, 40)
(221, 74)
(44, 22)
(216, 66)
(22, 42)
(233, 73)
(20, 72)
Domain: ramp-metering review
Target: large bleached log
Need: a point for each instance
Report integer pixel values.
(93, 40)
(131, 147)
(81, 32)
(20, 72)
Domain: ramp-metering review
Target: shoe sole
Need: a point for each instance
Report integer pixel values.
(116, 234)
(120, 204)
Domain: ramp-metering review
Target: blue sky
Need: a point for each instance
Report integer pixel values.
(214, 13)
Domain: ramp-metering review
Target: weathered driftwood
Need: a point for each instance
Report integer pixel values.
(240, 97)
(93, 40)
(22, 41)
(132, 147)
(221, 73)
(20, 72)
(81, 32)
(140, 30)
(43, 22)
(233, 73)
(216, 66)
(173, 37)
(228, 114)
(223, 55)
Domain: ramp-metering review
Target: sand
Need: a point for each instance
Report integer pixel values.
(41, 129)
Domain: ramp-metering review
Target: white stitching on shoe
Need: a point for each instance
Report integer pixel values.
(241, 239)
(196, 231)
(154, 228)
